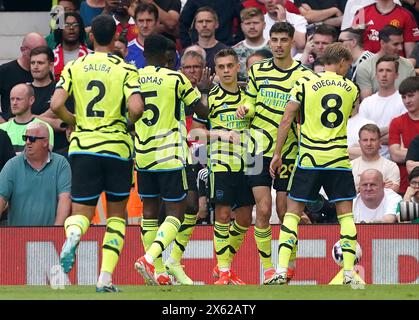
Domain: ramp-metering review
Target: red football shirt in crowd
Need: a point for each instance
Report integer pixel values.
(374, 21)
(402, 131)
(289, 6)
(129, 30)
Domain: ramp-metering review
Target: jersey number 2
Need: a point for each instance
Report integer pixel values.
(89, 111)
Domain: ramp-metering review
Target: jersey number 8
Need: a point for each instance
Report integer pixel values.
(328, 110)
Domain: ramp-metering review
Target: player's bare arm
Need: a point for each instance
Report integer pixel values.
(398, 153)
(135, 105)
(57, 106)
(290, 112)
(312, 15)
(200, 109)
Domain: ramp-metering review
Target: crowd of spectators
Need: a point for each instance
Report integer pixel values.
(382, 35)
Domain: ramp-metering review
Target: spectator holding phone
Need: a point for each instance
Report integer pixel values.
(323, 35)
(277, 12)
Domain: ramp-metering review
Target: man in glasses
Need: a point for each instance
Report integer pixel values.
(353, 39)
(71, 42)
(44, 197)
(22, 98)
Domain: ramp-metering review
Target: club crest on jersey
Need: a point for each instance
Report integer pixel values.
(396, 23)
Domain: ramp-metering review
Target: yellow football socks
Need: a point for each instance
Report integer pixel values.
(263, 238)
(287, 239)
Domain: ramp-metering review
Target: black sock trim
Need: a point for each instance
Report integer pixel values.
(105, 246)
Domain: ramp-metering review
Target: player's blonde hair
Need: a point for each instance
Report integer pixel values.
(335, 52)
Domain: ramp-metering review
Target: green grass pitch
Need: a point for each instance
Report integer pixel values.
(210, 292)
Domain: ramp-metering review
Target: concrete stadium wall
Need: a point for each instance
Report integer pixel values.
(14, 25)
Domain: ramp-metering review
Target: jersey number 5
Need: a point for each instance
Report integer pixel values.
(89, 111)
(152, 107)
(328, 110)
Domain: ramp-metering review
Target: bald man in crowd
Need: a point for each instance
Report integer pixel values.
(22, 98)
(374, 203)
(17, 71)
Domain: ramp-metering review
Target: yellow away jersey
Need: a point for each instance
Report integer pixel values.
(100, 83)
(227, 156)
(326, 102)
(160, 133)
(267, 94)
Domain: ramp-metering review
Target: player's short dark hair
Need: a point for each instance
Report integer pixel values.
(370, 127)
(155, 45)
(225, 53)
(414, 173)
(58, 33)
(335, 52)
(357, 35)
(388, 58)
(171, 54)
(387, 31)
(171, 45)
(103, 29)
(146, 7)
(207, 9)
(326, 30)
(283, 27)
(409, 85)
(43, 50)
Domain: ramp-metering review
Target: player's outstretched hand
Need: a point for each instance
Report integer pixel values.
(206, 80)
(276, 164)
(241, 111)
